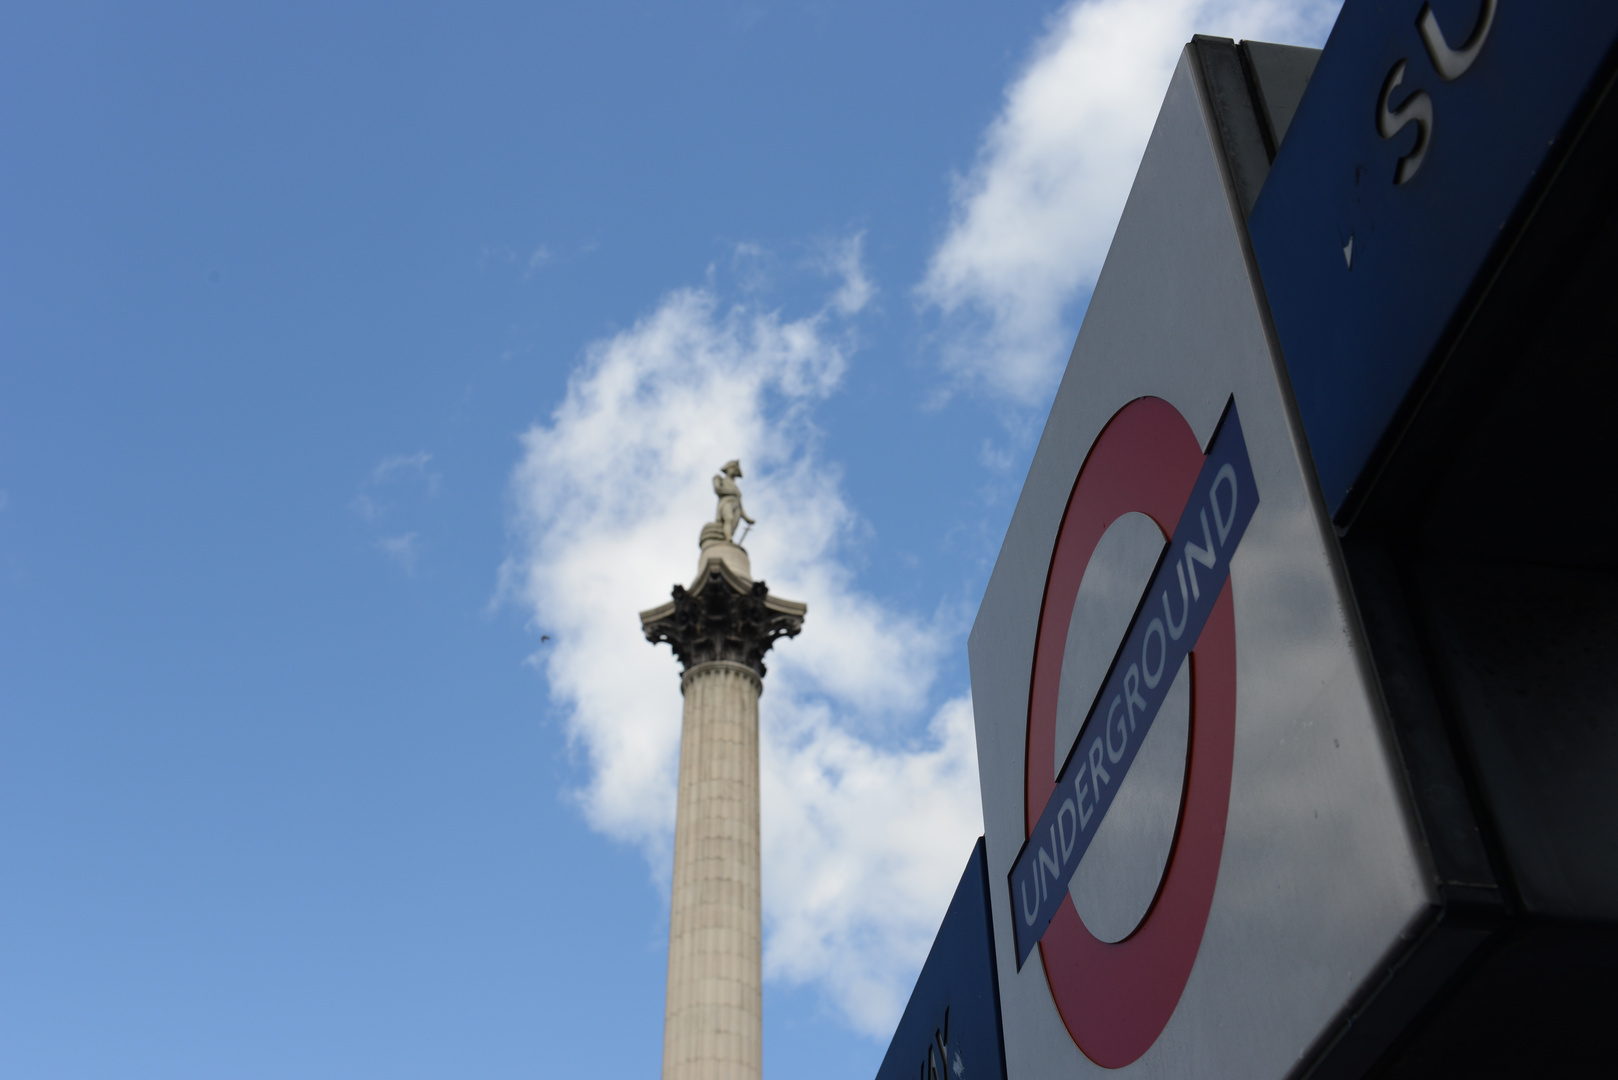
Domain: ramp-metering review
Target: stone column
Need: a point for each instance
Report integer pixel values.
(720, 629)
(713, 1024)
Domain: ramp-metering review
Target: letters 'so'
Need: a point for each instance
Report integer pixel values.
(1116, 998)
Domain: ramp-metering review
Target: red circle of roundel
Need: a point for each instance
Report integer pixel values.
(1116, 998)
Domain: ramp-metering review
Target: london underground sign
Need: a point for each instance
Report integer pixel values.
(1115, 998)
(1206, 520)
(1280, 887)
(1246, 876)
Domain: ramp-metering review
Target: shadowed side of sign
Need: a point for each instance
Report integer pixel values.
(1167, 623)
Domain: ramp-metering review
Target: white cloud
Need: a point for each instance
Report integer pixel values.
(870, 796)
(1033, 217)
(863, 847)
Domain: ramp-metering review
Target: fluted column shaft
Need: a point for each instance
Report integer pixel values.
(713, 1019)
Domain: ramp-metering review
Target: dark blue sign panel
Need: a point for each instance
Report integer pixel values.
(1421, 130)
(1168, 621)
(950, 1029)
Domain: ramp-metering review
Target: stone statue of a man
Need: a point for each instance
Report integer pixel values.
(730, 498)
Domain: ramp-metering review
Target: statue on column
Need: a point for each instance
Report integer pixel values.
(730, 499)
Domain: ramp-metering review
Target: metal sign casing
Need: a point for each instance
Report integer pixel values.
(1278, 905)
(1424, 125)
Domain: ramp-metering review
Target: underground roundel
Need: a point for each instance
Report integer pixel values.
(1116, 997)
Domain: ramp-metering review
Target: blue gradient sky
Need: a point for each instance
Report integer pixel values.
(285, 788)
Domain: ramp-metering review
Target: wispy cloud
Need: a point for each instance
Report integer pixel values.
(504, 255)
(402, 550)
(1032, 218)
(845, 258)
(609, 496)
(378, 495)
(407, 467)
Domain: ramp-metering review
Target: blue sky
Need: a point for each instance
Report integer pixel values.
(348, 352)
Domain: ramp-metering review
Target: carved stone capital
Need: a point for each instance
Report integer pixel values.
(723, 617)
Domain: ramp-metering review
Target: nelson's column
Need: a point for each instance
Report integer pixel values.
(720, 629)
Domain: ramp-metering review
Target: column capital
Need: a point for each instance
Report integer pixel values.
(723, 616)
